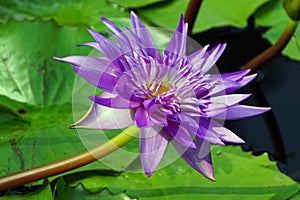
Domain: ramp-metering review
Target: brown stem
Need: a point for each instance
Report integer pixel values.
(191, 13)
(58, 167)
(275, 49)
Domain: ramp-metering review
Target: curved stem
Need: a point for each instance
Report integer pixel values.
(274, 50)
(45, 171)
(191, 13)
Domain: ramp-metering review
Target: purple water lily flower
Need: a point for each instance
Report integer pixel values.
(168, 96)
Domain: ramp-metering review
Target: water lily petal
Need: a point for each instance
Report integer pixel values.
(115, 102)
(198, 56)
(177, 44)
(126, 92)
(234, 76)
(210, 137)
(104, 118)
(224, 133)
(92, 44)
(108, 47)
(97, 71)
(224, 86)
(181, 135)
(99, 79)
(240, 83)
(229, 100)
(241, 111)
(153, 143)
(119, 35)
(213, 109)
(142, 32)
(89, 62)
(206, 134)
(213, 56)
(111, 26)
(190, 109)
(199, 158)
(156, 114)
(202, 128)
(142, 118)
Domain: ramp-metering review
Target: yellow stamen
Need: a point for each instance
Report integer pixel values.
(158, 91)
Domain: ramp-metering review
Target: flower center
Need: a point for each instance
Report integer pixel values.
(169, 101)
(158, 88)
(163, 95)
(152, 90)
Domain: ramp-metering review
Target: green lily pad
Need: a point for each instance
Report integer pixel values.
(164, 14)
(36, 94)
(239, 176)
(292, 50)
(272, 14)
(223, 13)
(65, 12)
(29, 74)
(212, 13)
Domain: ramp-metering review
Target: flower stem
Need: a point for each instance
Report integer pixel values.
(191, 13)
(58, 167)
(274, 50)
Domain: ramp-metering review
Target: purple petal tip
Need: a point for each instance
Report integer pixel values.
(73, 126)
(212, 178)
(181, 18)
(193, 146)
(148, 174)
(59, 59)
(75, 68)
(91, 31)
(247, 70)
(133, 14)
(92, 98)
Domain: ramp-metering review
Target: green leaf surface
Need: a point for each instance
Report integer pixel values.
(36, 93)
(239, 176)
(223, 13)
(270, 13)
(28, 72)
(292, 50)
(65, 12)
(212, 13)
(165, 14)
(273, 14)
(41, 138)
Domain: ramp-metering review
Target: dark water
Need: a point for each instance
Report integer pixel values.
(277, 85)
